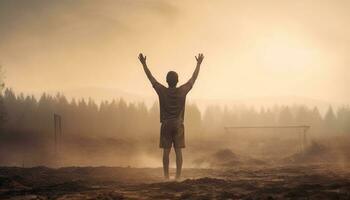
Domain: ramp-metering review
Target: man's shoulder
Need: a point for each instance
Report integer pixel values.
(186, 87)
(158, 86)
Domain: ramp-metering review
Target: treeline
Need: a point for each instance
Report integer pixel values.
(117, 118)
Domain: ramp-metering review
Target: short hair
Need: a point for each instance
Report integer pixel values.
(172, 78)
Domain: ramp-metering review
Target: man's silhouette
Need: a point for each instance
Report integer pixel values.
(172, 108)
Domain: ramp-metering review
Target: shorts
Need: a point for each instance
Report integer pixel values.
(172, 132)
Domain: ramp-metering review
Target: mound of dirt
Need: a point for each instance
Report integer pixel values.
(226, 158)
(315, 153)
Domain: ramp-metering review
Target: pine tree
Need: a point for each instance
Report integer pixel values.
(330, 121)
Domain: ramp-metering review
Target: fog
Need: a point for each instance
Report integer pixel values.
(118, 133)
(266, 63)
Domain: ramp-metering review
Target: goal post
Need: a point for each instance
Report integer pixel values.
(57, 121)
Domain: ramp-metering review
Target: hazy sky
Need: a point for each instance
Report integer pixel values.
(252, 48)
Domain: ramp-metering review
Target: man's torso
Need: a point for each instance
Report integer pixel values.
(172, 101)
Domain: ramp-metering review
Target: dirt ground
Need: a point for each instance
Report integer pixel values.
(278, 182)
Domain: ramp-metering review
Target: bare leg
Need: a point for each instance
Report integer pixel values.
(178, 162)
(166, 153)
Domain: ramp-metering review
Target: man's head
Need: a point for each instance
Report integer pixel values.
(172, 78)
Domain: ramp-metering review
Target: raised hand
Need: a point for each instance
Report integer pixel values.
(142, 59)
(199, 58)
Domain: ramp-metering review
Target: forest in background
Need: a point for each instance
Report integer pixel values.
(121, 119)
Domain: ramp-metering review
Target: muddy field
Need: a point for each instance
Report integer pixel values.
(278, 182)
(222, 174)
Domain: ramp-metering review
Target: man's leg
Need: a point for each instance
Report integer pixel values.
(166, 152)
(178, 162)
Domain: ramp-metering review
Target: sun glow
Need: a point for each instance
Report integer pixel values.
(286, 54)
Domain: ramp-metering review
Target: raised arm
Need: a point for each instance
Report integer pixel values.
(142, 59)
(199, 59)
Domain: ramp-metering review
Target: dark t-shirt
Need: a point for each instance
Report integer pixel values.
(172, 101)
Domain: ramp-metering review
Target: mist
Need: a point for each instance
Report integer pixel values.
(121, 133)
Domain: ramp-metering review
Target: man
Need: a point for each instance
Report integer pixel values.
(172, 108)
